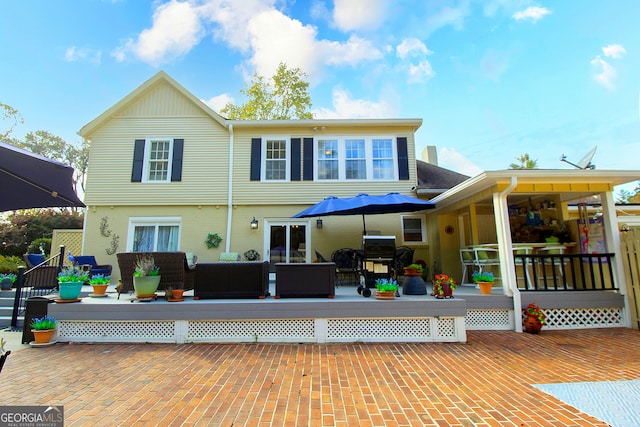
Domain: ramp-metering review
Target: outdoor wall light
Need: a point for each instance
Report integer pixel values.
(254, 223)
(319, 223)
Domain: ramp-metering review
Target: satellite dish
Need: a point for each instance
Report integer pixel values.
(585, 162)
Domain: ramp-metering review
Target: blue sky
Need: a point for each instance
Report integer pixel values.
(491, 79)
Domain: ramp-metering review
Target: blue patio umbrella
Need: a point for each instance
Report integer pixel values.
(364, 204)
(32, 181)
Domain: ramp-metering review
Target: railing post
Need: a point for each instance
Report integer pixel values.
(18, 295)
(61, 257)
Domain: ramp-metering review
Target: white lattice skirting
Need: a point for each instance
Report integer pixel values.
(584, 318)
(422, 329)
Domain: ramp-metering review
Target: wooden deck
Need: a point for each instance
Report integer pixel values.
(348, 317)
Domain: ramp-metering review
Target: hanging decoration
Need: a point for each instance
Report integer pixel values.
(213, 240)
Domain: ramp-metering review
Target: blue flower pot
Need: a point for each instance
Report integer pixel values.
(70, 290)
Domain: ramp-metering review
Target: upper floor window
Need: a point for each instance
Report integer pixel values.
(276, 159)
(356, 159)
(154, 234)
(157, 160)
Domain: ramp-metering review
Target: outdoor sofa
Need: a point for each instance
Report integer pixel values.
(235, 279)
(306, 279)
(176, 270)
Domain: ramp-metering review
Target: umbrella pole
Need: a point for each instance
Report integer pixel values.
(364, 226)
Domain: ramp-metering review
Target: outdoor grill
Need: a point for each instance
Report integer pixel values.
(378, 257)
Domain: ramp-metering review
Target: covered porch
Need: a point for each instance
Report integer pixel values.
(520, 222)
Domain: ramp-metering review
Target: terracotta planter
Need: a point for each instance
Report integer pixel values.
(386, 295)
(70, 290)
(177, 293)
(411, 272)
(146, 286)
(42, 336)
(485, 287)
(532, 324)
(447, 292)
(100, 289)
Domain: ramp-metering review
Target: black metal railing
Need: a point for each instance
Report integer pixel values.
(565, 272)
(42, 279)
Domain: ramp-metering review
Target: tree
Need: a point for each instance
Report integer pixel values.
(10, 114)
(626, 196)
(525, 163)
(20, 228)
(285, 97)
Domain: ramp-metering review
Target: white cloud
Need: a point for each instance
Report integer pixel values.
(217, 103)
(411, 47)
(533, 13)
(349, 15)
(344, 107)
(421, 72)
(75, 54)
(449, 158)
(175, 31)
(607, 73)
(448, 16)
(614, 51)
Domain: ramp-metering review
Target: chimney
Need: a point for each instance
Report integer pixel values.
(430, 155)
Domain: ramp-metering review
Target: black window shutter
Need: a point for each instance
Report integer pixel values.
(176, 164)
(295, 159)
(138, 161)
(256, 152)
(403, 159)
(308, 159)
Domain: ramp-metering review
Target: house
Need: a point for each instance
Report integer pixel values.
(168, 173)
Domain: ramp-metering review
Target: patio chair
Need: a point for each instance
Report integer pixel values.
(486, 257)
(346, 266)
(95, 268)
(524, 264)
(467, 259)
(404, 257)
(557, 263)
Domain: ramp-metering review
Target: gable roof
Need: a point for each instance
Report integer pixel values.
(147, 86)
(433, 180)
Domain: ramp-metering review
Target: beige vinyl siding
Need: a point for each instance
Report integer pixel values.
(162, 100)
(204, 169)
(246, 191)
(197, 223)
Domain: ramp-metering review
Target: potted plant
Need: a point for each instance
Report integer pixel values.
(43, 329)
(70, 281)
(413, 270)
(100, 282)
(386, 288)
(443, 286)
(534, 320)
(484, 280)
(146, 277)
(7, 280)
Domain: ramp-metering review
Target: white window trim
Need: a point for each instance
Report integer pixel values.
(263, 156)
(423, 226)
(342, 160)
(145, 164)
(156, 221)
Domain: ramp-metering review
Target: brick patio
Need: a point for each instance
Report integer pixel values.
(485, 382)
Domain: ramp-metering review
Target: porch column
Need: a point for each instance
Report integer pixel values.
(505, 250)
